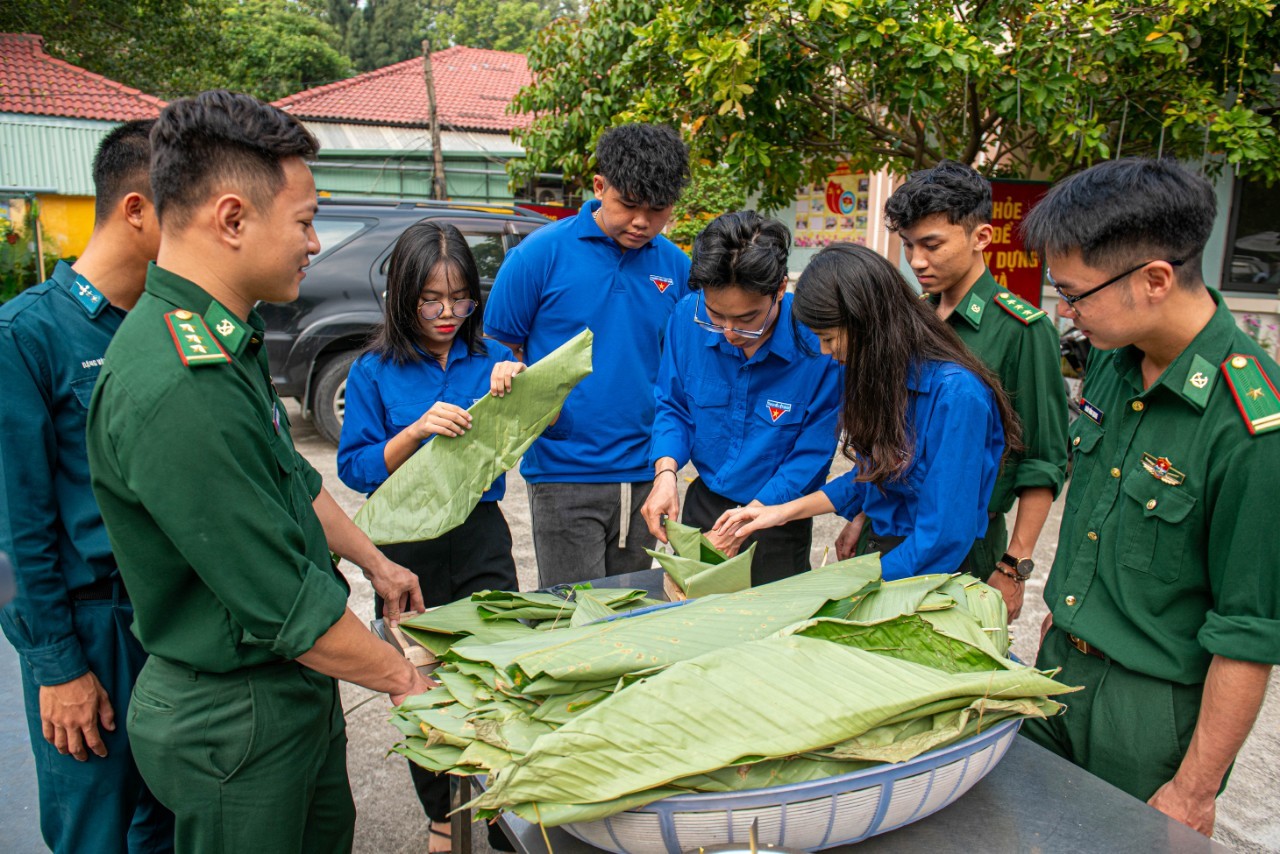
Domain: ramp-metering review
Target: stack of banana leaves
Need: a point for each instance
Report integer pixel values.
(824, 673)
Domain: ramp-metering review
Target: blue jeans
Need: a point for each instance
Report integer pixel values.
(101, 805)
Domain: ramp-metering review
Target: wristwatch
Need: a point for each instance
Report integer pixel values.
(1022, 569)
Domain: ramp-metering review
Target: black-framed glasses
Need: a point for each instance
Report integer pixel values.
(1072, 300)
(430, 309)
(701, 318)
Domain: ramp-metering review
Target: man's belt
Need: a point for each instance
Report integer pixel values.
(1086, 647)
(101, 590)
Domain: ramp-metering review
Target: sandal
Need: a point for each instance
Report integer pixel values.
(433, 845)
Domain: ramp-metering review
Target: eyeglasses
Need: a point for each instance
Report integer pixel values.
(702, 319)
(430, 309)
(1072, 300)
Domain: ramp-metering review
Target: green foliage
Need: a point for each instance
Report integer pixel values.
(780, 92)
(712, 191)
(19, 268)
(171, 48)
(276, 47)
(379, 33)
(492, 24)
(163, 47)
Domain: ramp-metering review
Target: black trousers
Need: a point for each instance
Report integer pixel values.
(472, 557)
(780, 552)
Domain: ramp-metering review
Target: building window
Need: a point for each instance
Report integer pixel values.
(1253, 252)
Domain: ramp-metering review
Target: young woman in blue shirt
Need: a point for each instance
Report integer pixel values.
(744, 393)
(924, 422)
(425, 366)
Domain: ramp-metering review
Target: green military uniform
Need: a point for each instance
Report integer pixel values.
(1018, 343)
(208, 509)
(1167, 552)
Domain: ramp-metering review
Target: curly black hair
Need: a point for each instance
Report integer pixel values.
(121, 165)
(647, 164)
(1121, 212)
(221, 138)
(950, 188)
(742, 249)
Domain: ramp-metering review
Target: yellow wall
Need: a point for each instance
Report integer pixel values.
(67, 221)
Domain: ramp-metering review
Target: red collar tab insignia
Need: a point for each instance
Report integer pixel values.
(778, 409)
(661, 283)
(1162, 470)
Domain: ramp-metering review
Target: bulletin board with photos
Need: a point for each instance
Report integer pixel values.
(833, 210)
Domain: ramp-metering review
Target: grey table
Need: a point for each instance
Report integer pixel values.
(1032, 801)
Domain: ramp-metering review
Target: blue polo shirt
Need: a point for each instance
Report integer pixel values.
(762, 428)
(52, 340)
(383, 398)
(569, 276)
(940, 506)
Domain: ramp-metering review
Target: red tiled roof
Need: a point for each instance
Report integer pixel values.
(33, 82)
(473, 88)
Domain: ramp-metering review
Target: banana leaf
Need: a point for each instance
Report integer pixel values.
(607, 651)
(438, 487)
(699, 568)
(914, 637)
(784, 702)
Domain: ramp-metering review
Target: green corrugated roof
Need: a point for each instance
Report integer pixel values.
(39, 151)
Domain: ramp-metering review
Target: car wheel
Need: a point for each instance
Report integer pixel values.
(330, 399)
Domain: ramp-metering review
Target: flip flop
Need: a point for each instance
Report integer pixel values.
(440, 834)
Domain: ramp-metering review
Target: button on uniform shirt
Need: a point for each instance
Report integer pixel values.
(1167, 553)
(207, 503)
(384, 398)
(940, 505)
(568, 276)
(762, 428)
(1019, 344)
(52, 338)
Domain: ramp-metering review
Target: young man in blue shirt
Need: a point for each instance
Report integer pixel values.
(608, 269)
(70, 620)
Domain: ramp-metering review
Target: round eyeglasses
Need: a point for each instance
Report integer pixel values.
(701, 318)
(430, 309)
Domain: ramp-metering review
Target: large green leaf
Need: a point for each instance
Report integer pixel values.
(438, 487)
(784, 700)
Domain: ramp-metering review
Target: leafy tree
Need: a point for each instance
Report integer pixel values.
(162, 47)
(493, 24)
(780, 91)
(712, 190)
(382, 32)
(277, 47)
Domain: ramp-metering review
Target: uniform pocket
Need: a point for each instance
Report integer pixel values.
(1152, 524)
(146, 700)
(230, 730)
(709, 407)
(83, 389)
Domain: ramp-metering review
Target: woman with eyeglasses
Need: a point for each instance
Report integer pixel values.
(924, 422)
(744, 393)
(426, 364)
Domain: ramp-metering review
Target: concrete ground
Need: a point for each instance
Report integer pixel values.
(390, 819)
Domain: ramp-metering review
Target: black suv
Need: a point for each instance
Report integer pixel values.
(312, 341)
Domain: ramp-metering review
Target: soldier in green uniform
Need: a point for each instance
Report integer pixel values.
(943, 216)
(1164, 596)
(222, 531)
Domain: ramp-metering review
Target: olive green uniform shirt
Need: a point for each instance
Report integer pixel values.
(206, 502)
(1168, 550)
(1020, 346)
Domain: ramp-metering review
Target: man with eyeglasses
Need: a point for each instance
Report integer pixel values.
(943, 216)
(1164, 596)
(608, 269)
(744, 392)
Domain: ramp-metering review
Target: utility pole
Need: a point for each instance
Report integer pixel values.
(438, 189)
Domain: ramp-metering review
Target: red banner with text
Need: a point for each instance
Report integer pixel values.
(1013, 266)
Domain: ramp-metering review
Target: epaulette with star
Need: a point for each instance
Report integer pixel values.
(196, 344)
(1024, 311)
(1255, 395)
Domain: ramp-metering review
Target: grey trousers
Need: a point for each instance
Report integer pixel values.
(577, 528)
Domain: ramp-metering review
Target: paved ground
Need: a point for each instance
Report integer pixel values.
(390, 819)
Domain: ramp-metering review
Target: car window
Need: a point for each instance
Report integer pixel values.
(334, 232)
(484, 238)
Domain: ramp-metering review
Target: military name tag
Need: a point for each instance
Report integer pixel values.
(1094, 413)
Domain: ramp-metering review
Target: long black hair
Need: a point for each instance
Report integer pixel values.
(888, 331)
(741, 249)
(421, 249)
